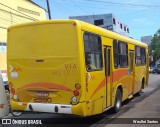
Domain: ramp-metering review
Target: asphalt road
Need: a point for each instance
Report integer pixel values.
(94, 121)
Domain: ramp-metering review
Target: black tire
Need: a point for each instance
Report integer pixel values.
(118, 101)
(16, 113)
(140, 91)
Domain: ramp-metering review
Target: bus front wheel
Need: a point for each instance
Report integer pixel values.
(118, 101)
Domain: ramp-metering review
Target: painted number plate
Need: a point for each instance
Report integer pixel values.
(42, 97)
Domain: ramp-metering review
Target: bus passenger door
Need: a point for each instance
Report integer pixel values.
(132, 71)
(107, 62)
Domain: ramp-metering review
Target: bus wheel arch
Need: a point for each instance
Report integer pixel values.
(118, 99)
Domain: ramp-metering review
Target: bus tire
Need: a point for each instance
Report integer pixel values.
(140, 91)
(118, 101)
(16, 113)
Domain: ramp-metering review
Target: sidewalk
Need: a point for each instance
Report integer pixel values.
(147, 108)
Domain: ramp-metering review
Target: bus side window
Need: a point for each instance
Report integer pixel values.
(90, 62)
(123, 54)
(115, 51)
(93, 51)
(140, 56)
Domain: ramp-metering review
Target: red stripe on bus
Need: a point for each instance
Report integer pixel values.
(118, 74)
(102, 84)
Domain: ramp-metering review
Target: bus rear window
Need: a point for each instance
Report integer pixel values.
(93, 51)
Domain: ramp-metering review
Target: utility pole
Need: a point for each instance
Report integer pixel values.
(49, 13)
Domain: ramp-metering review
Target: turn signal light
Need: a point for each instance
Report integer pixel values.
(10, 84)
(77, 86)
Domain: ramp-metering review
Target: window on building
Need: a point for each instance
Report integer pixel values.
(93, 51)
(123, 54)
(140, 56)
(115, 51)
(3, 47)
(124, 28)
(114, 21)
(128, 30)
(121, 25)
(98, 22)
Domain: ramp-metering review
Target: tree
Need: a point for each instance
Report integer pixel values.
(155, 46)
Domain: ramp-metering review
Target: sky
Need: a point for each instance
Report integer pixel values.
(141, 16)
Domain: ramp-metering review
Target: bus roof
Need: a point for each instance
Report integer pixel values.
(110, 34)
(86, 27)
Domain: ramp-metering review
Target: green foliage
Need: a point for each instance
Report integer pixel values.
(155, 46)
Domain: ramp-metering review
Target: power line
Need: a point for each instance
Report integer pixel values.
(73, 4)
(115, 3)
(103, 5)
(64, 8)
(79, 7)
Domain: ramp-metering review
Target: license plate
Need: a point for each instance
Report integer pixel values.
(42, 93)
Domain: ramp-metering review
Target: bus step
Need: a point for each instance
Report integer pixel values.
(130, 96)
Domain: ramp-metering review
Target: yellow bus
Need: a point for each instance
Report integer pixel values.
(72, 67)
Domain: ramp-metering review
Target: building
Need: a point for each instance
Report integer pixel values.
(107, 21)
(147, 39)
(15, 12)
